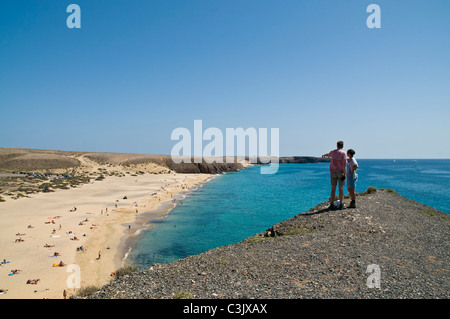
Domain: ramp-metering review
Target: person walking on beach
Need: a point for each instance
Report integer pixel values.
(337, 173)
(352, 176)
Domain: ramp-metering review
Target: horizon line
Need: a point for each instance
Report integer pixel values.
(246, 156)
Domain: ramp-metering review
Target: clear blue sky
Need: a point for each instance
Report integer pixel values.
(136, 70)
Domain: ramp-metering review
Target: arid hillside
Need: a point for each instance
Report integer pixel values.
(27, 171)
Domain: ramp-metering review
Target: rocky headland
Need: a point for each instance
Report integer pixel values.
(387, 247)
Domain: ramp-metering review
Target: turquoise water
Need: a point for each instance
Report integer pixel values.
(234, 206)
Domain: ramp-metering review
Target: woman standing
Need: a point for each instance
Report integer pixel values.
(352, 176)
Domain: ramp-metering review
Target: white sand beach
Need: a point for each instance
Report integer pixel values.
(29, 224)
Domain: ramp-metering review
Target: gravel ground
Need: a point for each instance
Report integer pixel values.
(320, 253)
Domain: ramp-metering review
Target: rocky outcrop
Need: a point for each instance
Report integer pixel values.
(302, 159)
(320, 253)
(217, 168)
(203, 167)
(290, 160)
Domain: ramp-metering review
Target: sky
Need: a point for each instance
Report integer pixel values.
(136, 70)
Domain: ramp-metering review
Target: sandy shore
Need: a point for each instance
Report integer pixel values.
(97, 225)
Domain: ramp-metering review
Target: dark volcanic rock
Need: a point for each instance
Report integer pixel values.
(203, 167)
(302, 159)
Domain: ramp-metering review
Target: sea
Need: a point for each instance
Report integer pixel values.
(236, 205)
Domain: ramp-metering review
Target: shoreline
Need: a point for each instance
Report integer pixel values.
(92, 226)
(145, 222)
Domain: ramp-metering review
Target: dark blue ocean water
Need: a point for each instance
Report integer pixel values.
(234, 206)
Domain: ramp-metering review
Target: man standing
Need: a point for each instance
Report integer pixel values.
(337, 172)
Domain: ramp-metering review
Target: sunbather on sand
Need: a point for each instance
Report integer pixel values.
(32, 281)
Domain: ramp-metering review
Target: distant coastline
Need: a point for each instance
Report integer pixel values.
(29, 171)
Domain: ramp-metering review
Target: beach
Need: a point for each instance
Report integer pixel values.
(95, 217)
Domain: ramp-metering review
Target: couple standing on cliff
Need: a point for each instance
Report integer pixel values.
(341, 169)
